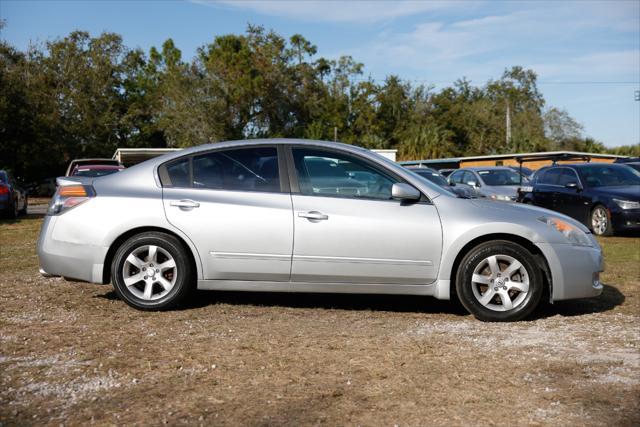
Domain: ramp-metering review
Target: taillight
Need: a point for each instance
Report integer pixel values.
(69, 196)
(4, 189)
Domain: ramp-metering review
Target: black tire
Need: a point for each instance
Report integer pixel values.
(184, 277)
(23, 211)
(523, 303)
(603, 213)
(13, 212)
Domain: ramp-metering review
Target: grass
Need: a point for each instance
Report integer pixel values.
(71, 353)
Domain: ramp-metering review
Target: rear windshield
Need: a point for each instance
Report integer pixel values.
(432, 176)
(94, 172)
(498, 177)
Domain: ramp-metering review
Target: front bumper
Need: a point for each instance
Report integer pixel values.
(575, 270)
(626, 220)
(68, 259)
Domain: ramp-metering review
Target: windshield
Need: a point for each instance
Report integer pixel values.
(498, 177)
(94, 172)
(432, 176)
(609, 176)
(3, 178)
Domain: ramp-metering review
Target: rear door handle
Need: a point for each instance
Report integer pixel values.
(314, 215)
(185, 204)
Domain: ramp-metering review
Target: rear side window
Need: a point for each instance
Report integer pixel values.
(550, 176)
(178, 173)
(247, 169)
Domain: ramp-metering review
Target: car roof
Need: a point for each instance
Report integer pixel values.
(432, 190)
(478, 168)
(414, 168)
(586, 165)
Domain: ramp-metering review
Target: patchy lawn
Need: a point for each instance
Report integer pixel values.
(71, 353)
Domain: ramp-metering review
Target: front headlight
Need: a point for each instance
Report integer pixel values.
(627, 204)
(573, 234)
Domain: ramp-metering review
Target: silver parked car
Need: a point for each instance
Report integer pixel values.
(495, 182)
(308, 216)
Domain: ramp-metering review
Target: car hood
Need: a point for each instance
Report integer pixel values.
(626, 192)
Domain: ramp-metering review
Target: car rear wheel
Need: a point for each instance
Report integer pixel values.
(13, 210)
(151, 271)
(601, 221)
(499, 281)
(23, 211)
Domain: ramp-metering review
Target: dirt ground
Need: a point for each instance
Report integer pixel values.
(71, 353)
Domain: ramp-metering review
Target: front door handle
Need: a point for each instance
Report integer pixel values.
(185, 204)
(313, 215)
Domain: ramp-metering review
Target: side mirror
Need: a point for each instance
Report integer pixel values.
(402, 191)
(572, 185)
(472, 183)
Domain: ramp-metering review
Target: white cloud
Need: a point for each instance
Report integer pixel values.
(363, 12)
(556, 40)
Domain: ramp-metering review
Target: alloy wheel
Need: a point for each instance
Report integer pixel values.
(599, 221)
(500, 282)
(149, 272)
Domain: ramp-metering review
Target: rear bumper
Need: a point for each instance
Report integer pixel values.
(72, 260)
(575, 270)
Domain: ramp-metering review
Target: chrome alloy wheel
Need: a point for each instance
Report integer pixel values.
(500, 283)
(599, 221)
(149, 272)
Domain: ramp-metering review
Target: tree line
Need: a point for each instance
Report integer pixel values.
(84, 96)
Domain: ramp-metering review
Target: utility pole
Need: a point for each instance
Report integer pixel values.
(508, 125)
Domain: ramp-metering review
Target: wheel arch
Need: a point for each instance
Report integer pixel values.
(538, 256)
(106, 272)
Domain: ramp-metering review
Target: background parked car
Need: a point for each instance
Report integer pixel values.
(526, 172)
(13, 198)
(95, 170)
(446, 172)
(437, 178)
(498, 183)
(86, 162)
(604, 197)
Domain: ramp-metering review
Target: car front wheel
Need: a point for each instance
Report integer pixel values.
(499, 281)
(151, 271)
(601, 221)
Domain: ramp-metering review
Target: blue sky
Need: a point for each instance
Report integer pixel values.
(586, 53)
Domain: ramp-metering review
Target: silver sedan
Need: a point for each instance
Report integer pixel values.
(309, 216)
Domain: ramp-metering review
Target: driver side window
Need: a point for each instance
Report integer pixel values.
(325, 173)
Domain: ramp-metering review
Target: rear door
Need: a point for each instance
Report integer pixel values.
(544, 192)
(349, 230)
(235, 206)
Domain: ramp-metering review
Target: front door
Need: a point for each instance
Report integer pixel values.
(349, 230)
(232, 206)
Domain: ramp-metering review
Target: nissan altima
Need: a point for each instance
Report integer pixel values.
(309, 216)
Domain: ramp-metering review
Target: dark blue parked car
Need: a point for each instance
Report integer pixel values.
(604, 197)
(13, 198)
